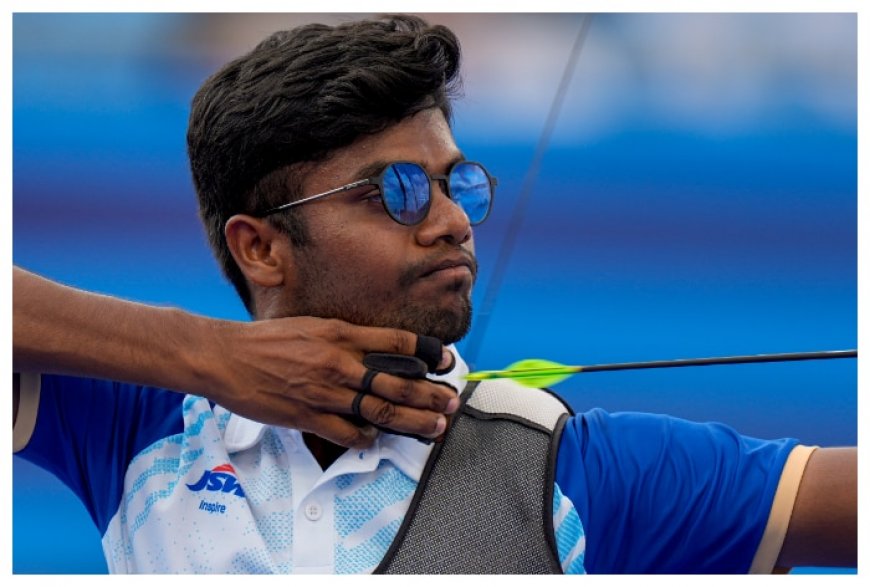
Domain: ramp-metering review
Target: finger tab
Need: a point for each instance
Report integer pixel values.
(399, 365)
(429, 351)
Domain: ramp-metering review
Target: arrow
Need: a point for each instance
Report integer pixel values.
(543, 373)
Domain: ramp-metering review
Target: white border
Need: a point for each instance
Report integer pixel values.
(851, 6)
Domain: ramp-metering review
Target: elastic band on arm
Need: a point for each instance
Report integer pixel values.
(780, 512)
(28, 404)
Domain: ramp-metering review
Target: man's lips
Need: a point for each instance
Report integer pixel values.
(458, 266)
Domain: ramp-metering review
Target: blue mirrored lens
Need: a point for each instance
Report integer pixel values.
(471, 190)
(406, 192)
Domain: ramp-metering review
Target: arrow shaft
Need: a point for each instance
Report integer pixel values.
(769, 358)
(570, 370)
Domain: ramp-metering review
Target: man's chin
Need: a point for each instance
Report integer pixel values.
(448, 326)
(448, 321)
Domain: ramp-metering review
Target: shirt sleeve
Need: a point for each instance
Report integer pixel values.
(658, 494)
(781, 510)
(86, 431)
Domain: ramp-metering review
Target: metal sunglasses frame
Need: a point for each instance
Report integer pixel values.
(379, 182)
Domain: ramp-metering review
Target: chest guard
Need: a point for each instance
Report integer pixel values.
(484, 502)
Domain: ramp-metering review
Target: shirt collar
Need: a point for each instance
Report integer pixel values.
(406, 453)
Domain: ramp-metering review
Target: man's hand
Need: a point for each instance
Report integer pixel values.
(304, 373)
(296, 372)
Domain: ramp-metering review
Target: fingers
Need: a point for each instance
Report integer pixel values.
(415, 393)
(392, 417)
(407, 406)
(375, 413)
(389, 340)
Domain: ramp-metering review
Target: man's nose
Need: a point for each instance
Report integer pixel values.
(445, 221)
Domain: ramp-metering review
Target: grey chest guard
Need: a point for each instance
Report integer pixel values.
(484, 501)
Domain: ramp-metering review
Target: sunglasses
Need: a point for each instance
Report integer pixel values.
(406, 191)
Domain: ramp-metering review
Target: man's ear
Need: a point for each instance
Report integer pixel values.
(261, 251)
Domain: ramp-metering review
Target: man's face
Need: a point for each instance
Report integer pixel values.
(363, 267)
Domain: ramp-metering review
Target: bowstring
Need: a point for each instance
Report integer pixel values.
(507, 245)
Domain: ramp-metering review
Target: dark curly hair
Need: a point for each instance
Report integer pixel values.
(297, 97)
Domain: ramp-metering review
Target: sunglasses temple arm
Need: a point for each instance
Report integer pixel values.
(305, 200)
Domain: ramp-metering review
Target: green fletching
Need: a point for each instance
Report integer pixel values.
(534, 365)
(539, 372)
(530, 372)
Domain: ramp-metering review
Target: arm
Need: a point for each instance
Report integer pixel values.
(700, 497)
(297, 372)
(823, 529)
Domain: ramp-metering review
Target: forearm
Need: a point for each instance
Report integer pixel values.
(58, 329)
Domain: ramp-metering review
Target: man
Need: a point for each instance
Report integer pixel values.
(341, 209)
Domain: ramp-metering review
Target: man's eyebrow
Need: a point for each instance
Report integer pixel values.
(371, 170)
(375, 168)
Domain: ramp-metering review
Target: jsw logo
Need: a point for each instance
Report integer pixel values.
(221, 478)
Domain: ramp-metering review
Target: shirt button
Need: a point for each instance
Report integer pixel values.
(313, 511)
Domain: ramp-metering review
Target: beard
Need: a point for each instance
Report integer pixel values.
(359, 299)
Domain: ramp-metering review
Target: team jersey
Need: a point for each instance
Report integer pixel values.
(177, 484)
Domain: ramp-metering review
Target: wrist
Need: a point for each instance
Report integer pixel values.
(206, 353)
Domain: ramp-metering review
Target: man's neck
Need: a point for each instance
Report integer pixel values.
(324, 451)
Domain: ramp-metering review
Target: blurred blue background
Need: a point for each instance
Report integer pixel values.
(698, 198)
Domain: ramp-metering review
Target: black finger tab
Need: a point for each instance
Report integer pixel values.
(357, 400)
(399, 365)
(429, 351)
(366, 386)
